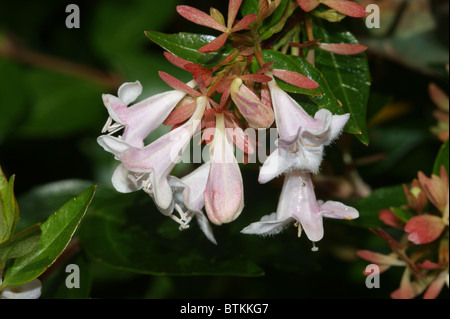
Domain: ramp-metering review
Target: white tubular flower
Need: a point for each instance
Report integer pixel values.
(29, 290)
(140, 119)
(298, 204)
(298, 156)
(153, 163)
(301, 137)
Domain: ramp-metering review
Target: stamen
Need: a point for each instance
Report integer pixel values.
(107, 124)
(184, 219)
(299, 230)
(147, 186)
(115, 128)
(314, 247)
(110, 127)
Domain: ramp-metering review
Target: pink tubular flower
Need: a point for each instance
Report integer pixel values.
(153, 163)
(142, 118)
(301, 137)
(298, 204)
(224, 193)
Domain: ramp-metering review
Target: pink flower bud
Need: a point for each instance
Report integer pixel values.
(224, 194)
(257, 114)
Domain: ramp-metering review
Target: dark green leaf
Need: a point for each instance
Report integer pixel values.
(347, 75)
(382, 198)
(129, 238)
(20, 244)
(40, 202)
(249, 7)
(291, 63)
(57, 231)
(186, 45)
(442, 159)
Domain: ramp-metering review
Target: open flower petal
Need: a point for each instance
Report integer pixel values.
(129, 92)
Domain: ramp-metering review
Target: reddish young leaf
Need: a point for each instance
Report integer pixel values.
(438, 97)
(308, 5)
(342, 48)
(215, 44)
(199, 17)
(181, 114)
(177, 61)
(233, 9)
(260, 78)
(380, 259)
(429, 265)
(177, 84)
(200, 71)
(390, 219)
(435, 288)
(436, 188)
(424, 229)
(348, 8)
(244, 23)
(405, 291)
(295, 78)
(304, 44)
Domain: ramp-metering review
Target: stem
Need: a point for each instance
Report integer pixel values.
(310, 57)
(10, 49)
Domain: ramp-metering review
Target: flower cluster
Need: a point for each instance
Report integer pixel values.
(423, 249)
(219, 104)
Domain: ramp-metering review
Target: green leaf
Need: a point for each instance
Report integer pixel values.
(20, 244)
(347, 76)
(40, 202)
(57, 231)
(186, 45)
(9, 210)
(295, 64)
(382, 198)
(249, 7)
(134, 239)
(269, 25)
(402, 214)
(442, 159)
